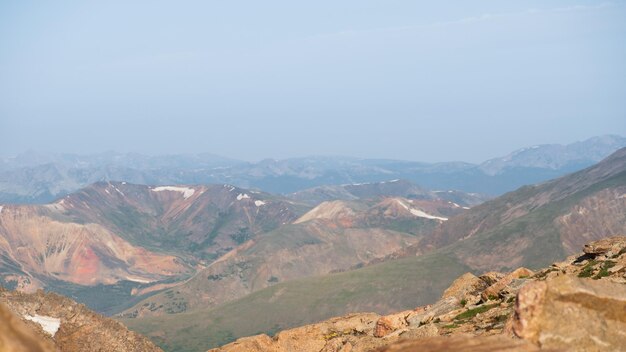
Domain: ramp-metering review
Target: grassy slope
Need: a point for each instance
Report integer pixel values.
(537, 226)
(386, 287)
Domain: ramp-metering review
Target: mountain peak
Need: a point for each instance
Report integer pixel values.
(555, 156)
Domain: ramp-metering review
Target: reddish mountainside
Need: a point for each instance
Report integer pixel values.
(115, 232)
(35, 244)
(334, 236)
(207, 220)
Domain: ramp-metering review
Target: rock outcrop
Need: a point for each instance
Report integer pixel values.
(572, 314)
(50, 322)
(462, 344)
(575, 305)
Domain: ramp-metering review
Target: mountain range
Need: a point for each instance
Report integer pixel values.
(112, 244)
(195, 266)
(41, 177)
(533, 226)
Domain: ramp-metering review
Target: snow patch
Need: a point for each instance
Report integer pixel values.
(258, 203)
(1, 209)
(186, 191)
(139, 280)
(48, 324)
(123, 183)
(465, 208)
(120, 192)
(420, 213)
(242, 196)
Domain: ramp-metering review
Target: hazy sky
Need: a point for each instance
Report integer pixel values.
(418, 80)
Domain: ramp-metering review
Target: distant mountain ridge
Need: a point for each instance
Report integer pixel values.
(556, 156)
(369, 190)
(40, 178)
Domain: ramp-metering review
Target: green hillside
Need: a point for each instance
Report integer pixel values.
(382, 288)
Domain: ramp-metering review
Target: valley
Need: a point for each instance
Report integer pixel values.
(167, 249)
(198, 266)
(522, 228)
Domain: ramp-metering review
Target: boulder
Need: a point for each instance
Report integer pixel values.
(491, 277)
(495, 289)
(572, 314)
(607, 246)
(466, 288)
(390, 323)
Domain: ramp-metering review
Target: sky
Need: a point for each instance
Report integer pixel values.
(414, 80)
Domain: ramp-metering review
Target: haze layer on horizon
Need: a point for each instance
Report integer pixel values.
(253, 80)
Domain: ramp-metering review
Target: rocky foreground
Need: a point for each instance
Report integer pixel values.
(575, 305)
(44, 322)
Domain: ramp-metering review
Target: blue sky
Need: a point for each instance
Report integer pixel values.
(428, 81)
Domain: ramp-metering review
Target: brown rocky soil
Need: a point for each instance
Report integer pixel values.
(77, 327)
(15, 336)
